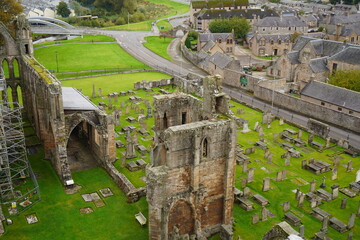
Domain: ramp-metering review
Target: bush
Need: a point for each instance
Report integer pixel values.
(193, 35)
(120, 21)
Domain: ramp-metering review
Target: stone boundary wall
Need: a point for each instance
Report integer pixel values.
(107, 74)
(152, 84)
(312, 110)
(191, 56)
(133, 194)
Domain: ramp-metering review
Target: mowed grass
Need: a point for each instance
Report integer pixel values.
(79, 39)
(112, 83)
(177, 8)
(158, 45)
(164, 25)
(77, 57)
(59, 216)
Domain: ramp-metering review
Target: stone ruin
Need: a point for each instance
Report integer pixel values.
(53, 115)
(191, 142)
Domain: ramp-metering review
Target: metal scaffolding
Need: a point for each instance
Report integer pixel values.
(14, 164)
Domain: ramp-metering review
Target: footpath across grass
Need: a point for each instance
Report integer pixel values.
(158, 45)
(80, 39)
(78, 57)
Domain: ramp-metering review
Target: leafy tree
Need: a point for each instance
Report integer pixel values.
(240, 26)
(346, 78)
(86, 2)
(130, 5)
(62, 9)
(193, 34)
(320, 29)
(9, 9)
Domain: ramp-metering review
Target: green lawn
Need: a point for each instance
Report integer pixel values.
(177, 8)
(164, 25)
(158, 45)
(84, 38)
(77, 57)
(112, 83)
(59, 216)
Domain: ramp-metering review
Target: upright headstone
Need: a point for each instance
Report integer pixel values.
(323, 184)
(269, 158)
(349, 166)
(313, 204)
(297, 194)
(346, 145)
(279, 176)
(281, 121)
(283, 174)
(334, 174)
(357, 179)
(358, 210)
(301, 200)
(303, 164)
(93, 95)
(341, 142)
(335, 191)
(261, 132)
(247, 192)
(130, 148)
(245, 128)
(300, 133)
(310, 138)
(286, 206)
(264, 214)
(343, 203)
(256, 126)
(351, 222)
(245, 166)
(328, 140)
(302, 231)
(313, 185)
(250, 177)
(243, 182)
(266, 184)
(350, 236)
(325, 222)
(255, 218)
(336, 161)
(287, 160)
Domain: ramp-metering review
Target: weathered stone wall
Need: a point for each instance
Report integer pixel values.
(152, 84)
(309, 109)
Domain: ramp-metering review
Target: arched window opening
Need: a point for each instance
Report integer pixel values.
(5, 66)
(19, 94)
(165, 121)
(16, 68)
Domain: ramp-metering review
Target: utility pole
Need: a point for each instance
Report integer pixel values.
(57, 62)
(128, 20)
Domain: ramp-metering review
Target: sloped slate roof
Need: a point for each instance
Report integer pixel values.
(208, 46)
(349, 55)
(348, 29)
(332, 94)
(343, 19)
(220, 60)
(301, 42)
(294, 57)
(319, 65)
(205, 37)
(273, 36)
(280, 22)
(242, 13)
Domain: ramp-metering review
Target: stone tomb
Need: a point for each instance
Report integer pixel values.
(245, 204)
(324, 195)
(141, 163)
(317, 167)
(260, 200)
(132, 166)
(320, 214)
(292, 219)
(348, 192)
(337, 225)
(106, 192)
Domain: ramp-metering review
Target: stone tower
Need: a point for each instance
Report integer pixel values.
(190, 182)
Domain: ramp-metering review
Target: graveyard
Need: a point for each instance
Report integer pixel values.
(283, 173)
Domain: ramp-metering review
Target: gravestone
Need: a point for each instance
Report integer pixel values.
(350, 236)
(250, 177)
(341, 142)
(323, 184)
(351, 222)
(245, 166)
(313, 185)
(297, 194)
(349, 166)
(334, 174)
(261, 132)
(283, 174)
(287, 160)
(328, 140)
(281, 121)
(358, 210)
(303, 164)
(266, 184)
(357, 179)
(93, 95)
(264, 214)
(301, 200)
(335, 191)
(299, 134)
(130, 147)
(286, 206)
(245, 128)
(247, 192)
(269, 158)
(243, 182)
(255, 218)
(336, 161)
(256, 126)
(325, 222)
(343, 203)
(279, 176)
(302, 231)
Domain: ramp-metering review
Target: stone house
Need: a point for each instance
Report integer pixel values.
(330, 21)
(310, 20)
(217, 64)
(314, 59)
(203, 18)
(280, 25)
(349, 33)
(269, 44)
(216, 42)
(190, 183)
(333, 97)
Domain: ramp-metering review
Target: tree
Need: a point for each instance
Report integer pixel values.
(62, 9)
(9, 9)
(346, 78)
(240, 26)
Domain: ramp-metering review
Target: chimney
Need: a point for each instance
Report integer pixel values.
(338, 31)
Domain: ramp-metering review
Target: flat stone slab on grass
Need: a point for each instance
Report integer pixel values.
(25, 203)
(94, 196)
(86, 197)
(106, 192)
(31, 218)
(99, 203)
(86, 210)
